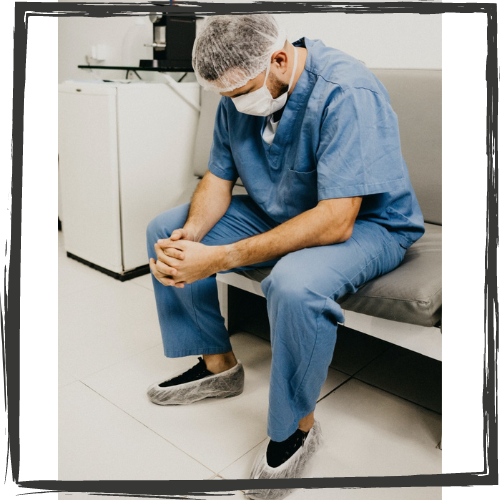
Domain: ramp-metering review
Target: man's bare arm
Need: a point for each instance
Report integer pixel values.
(210, 202)
(331, 221)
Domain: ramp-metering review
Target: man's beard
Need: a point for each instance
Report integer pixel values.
(276, 87)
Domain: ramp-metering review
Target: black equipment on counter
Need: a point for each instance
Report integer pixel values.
(173, 40)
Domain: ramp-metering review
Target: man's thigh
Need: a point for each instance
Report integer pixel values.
(334, 270)
(242, 219)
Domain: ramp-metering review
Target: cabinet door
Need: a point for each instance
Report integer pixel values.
(156, 131)
(89, 174)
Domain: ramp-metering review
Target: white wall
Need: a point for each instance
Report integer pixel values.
(123, 38)
(380, 40)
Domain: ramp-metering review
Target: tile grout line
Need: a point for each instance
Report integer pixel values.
(400, 397)
(240, 457)
(128, 358)
(132, 281)
(364, 366)
(82, 289)
(353, 376)
(144, 425)
(350, 377)
(87, 287)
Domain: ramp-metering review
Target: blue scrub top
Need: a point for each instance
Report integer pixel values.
(338, 137)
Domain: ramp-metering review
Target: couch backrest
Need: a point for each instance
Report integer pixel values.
(416, 98)
(204, 134)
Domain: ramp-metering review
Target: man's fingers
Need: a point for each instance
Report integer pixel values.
(180, 245)
(174, 253)
(165, 260)
(168, 256)
(162, 278)
(165, 269)
(176, 235)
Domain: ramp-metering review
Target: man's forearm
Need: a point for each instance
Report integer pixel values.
(323, 225)
(210, 202)
(330, 222)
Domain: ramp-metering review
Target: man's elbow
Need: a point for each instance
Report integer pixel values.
(338, 234)
(342, 214)
(346, 233)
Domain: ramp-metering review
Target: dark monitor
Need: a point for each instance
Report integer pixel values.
(181, 32)
(173, 40)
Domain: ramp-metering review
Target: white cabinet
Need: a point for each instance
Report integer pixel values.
(125, 155)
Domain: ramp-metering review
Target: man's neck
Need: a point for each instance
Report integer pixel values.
(301, 64)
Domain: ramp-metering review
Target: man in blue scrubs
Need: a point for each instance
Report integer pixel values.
(312, 135)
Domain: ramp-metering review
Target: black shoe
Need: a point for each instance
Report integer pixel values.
(198, 383)
(284, 460)
(279, 452)
(198, 372)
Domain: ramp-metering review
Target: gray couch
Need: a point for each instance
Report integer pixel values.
(404, 306)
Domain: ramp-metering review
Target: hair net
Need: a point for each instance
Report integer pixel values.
(231, 50)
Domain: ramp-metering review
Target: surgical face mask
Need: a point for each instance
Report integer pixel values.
(260, 102)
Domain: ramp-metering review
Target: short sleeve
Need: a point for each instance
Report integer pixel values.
(221, 161)
(359, 150)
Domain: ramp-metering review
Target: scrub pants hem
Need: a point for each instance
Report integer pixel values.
(281, 436)
(285, 434)
(196, 352)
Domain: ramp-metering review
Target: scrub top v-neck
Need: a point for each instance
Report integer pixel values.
(337, 137)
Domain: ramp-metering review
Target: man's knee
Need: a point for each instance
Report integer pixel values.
(162, 226)
(299, 294)
(156, 229)
(303, 276)
(286, 283)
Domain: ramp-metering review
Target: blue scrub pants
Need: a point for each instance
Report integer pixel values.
(301, 293)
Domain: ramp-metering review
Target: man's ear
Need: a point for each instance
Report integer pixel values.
(281, 59)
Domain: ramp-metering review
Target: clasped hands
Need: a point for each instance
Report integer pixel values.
(180, 260)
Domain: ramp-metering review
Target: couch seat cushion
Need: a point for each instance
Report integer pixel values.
(412, 293)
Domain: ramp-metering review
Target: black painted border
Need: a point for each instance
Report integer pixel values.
(10, 340)
(125, 276)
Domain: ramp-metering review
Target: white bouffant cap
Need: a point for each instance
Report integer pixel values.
(231, 50)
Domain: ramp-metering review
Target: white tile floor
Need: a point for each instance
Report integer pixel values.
(377, 419)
